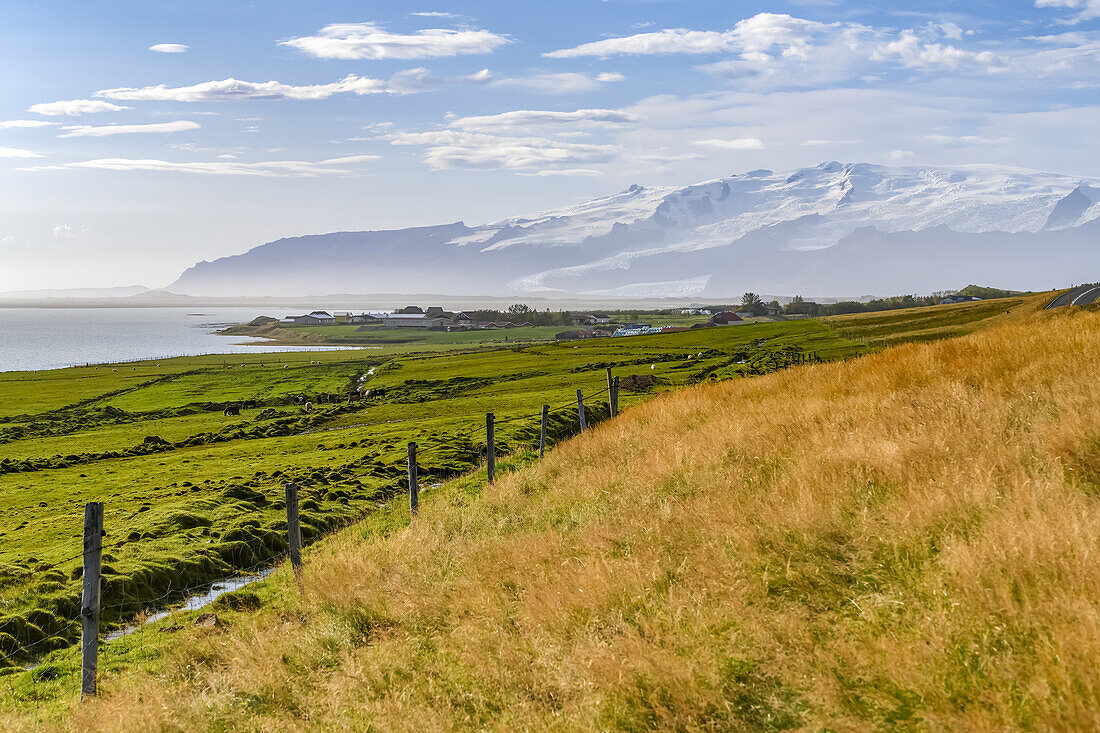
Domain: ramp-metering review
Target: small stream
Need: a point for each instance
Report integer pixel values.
(197, 601)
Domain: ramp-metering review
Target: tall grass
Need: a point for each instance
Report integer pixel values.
(907, 540)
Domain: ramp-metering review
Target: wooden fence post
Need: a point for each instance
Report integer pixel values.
(615, 397)
(610, 392)
(414, 488)
(542, 434)
(580, 409)
(294, 529)
(89, 603)
(490, 448)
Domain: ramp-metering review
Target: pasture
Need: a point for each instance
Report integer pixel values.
(193, 495)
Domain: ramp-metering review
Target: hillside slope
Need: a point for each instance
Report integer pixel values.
(902, 540)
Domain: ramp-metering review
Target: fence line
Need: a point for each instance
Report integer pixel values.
(93, 608)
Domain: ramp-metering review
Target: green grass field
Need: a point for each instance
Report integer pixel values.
(192, 495)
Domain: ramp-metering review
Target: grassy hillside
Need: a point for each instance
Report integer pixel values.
(937, 321)
(193, 495)
(905, 540)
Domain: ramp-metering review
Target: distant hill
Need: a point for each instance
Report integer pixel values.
(830, 229)
(978, 291)
(69, 293)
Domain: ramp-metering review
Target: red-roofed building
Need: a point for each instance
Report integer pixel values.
(726, 318)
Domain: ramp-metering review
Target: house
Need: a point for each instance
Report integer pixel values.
(600, 318)
(772, 310)
(463, 319)
(958, 299)
(316, 318)
(574, 335)
(411, 320)
(583, 320)
(434, 311)
(370, 319)
(726, 318)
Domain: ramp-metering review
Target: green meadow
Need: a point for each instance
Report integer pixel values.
(192, 495)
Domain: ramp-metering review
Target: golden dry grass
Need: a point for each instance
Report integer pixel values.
(907, 540)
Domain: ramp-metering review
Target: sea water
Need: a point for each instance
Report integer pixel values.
(51, 338)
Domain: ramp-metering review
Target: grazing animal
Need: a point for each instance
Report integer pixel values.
(308, 407)
(231, 410)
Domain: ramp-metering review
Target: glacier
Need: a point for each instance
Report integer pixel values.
(831, 229)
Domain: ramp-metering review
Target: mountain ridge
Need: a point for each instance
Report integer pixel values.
(830, 228)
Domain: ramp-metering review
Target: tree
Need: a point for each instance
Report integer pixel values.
(518, 309)
(753, 303)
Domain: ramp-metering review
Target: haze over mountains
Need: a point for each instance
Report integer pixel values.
(831, 229)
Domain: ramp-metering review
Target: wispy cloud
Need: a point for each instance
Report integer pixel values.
(74, 107)
(17, 153)
(274, 168)
(739, 143)
(558, 83)
(106, 130)
(526, 118)
(770, 49)
(352, 41)
(439, 14)
(1086, 9)
(9, 124)
(410, 81)
(468, 150)
(169, 48)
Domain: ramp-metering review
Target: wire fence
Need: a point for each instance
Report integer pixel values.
(119, 611)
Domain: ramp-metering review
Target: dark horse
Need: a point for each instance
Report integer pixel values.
(231, 410)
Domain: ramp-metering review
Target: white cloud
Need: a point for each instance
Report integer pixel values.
(74, 107)
(439, 14)
(567, 82)
(740, 143)
(409, 81)
(569, 172)
(467, 150)
(351, 41)
(818, 143)
(775, 50)
(1088, 8)
(668, 41)
(900, 155)
(8, 124)
(106, 130)
(17, 153)
(274, 168)
(169, 48)
(967, 139)
(525, 118)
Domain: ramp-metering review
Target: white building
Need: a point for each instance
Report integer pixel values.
(411, 320)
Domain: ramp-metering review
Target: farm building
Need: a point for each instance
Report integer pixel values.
(368, 319)
(574, 335)
(958, 299)
(726, 319)
(411, 320)
(316, 318)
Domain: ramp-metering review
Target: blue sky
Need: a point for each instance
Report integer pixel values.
(137, 138)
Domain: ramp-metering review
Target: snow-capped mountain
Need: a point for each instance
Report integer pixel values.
(830, 229)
